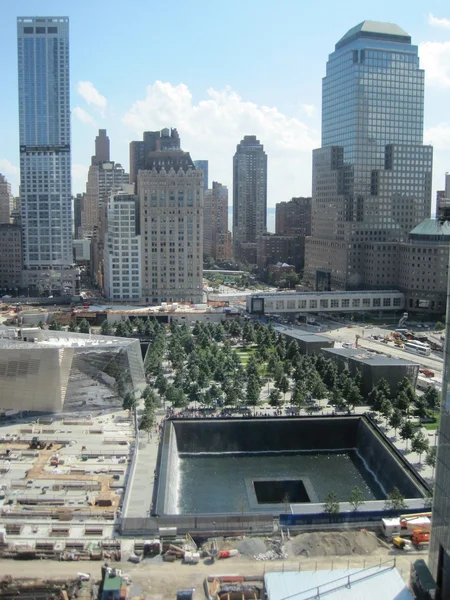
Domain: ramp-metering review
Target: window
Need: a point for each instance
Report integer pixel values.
(376, 302)
(345, 303)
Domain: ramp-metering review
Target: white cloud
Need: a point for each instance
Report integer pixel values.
(92, 96)
(83, 116)
(438, 136)
(212, 128)
(435, 59)
(436, 22)
(309, 109)
(79, 177)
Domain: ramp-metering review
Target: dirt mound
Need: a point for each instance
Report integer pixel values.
(251, 546)
(333, 543)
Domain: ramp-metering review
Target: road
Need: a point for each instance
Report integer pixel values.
(157, 580)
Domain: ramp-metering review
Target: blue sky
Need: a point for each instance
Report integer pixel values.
(217, 71)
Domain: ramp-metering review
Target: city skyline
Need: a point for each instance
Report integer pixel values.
(214, 108)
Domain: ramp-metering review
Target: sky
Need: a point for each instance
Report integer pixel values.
(216, 71)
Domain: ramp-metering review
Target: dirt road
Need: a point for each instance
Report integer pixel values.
(157, 580)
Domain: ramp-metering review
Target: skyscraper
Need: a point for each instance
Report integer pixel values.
(101, 148)
(216, 237)
(153, 141)
(372, 175)
(202, 165)
(6, 201)
(249, 197)
(104, 176)
(45, 178)
(122, 253)
(171, 209)
(439, 558)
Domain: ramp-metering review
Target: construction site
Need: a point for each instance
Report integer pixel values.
(61, 485)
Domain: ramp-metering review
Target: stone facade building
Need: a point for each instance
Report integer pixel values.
(171, 219)
(10, 259)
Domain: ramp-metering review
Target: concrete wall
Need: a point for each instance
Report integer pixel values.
(265, 435)
(385, 467)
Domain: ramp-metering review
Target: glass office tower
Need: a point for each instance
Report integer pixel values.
(372, 176)
(439, 558)
(44, 121)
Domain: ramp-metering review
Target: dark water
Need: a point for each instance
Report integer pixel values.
(216, 483)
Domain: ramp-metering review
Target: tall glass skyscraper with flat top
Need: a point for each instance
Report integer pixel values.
(44, 121)
(372, 175)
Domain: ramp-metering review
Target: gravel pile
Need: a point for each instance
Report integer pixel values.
(333, 544)
(251, 546)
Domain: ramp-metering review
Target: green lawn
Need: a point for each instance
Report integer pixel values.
(433, 426)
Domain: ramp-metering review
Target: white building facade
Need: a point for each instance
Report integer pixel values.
(122, 254)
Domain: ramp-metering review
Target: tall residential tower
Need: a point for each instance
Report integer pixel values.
(249, 197)
(45, 178)
(372, 175)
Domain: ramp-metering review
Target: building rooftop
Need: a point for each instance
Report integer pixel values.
(340, 584)
(369, 357)
(432, 228)
(16, 338)
(375, 30)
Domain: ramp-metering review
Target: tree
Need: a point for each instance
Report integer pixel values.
(386, 409)
(73, 325)
(129, 401)
(121, 329)
(384, 387)
(430, 458)
(298, 397)
(331, 504)
(161, 384)
(406, 432)
(432, 397)
(147, 421)
(402, 402)
(420, 408)
(395, 500)
(396, 420)
(274, 398)
(253, 391)
(356, 498)
(105, 328)
(439, 326)
(84, 326)
(354, 396)
(283, 386)
(419, 444)
(55, 326)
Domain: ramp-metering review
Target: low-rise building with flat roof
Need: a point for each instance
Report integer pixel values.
(374, 367)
